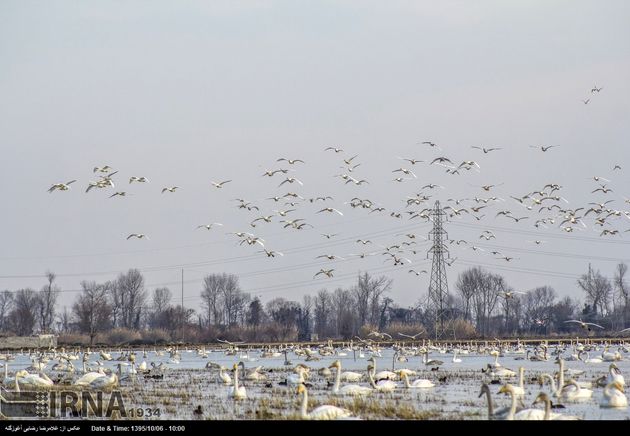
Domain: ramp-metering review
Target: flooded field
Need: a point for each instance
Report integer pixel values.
(188, 384)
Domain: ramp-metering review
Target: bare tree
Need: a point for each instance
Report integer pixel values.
(174, 317)
(47, 302)
(161, 299)
(367, 294)
(598, 291)
(161, 302)
(563, 310)
(234, 300)
(133, 296)
(6, 304)
(323, 313)
(345, 313)
(64, 321)
(285, 315)
(255, 313)
(304, 318)
(467, 285)
(621, 288)
(213, 285)
(23, 317)
(538, 307)
(488, 288)
(92, 309)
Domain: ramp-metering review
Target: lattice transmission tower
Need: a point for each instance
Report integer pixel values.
(438, 288)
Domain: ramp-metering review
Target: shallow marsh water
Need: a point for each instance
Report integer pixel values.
(189, 384)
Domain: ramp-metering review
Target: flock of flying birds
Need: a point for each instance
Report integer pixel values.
(542, 207)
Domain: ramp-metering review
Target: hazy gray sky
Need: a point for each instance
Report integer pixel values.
(184, 92)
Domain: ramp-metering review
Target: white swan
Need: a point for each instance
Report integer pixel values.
(418, 383)
(496, 363)
(525, 414)
(455, 358)
(406, 371)
(351, 376)
(382, 375)
(520, 389)
(552, 416)
(492, 413)
(614, 374)
(608, 356)
(225, 378)
(502, 372)
(237, 392)
(589, 359)
(89, 377)
(573, 392)
(381, 385)
(552, 382)
(354, 390)
(614, 396)
(256, 375)
(32, 381)
(297, 378)
(321, 412)
(104, 382)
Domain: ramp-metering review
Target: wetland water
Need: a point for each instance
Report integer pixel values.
(189, 384)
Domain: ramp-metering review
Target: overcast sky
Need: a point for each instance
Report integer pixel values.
(185, 92)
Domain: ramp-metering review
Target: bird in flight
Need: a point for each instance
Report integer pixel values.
(138, 179)
(169, 189)
(405, 171)
(137, 235)
(219, 184)
(440, 160)
(517, 219)
(411, 161)
(208, 226)
(103, 169)
(326, 272)
(510, 294)
(597, 179)
(487, 187)
(284, 213)
(603, 188)
(379, 335)
(99, 184)
(271, 253)
(290, 161)
(486, 150)
(271, 173)
(586, 101)
(120, 194)
(330, 209)
(585, 325)
(410, 336)
(596, 89)
(543, 148)
(609, 232)
(329, 257)
(616, 167)
(290, 180)
(335, 149)
(61, 186)
(424, 271)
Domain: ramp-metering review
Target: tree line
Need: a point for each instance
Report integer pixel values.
(482, 304)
